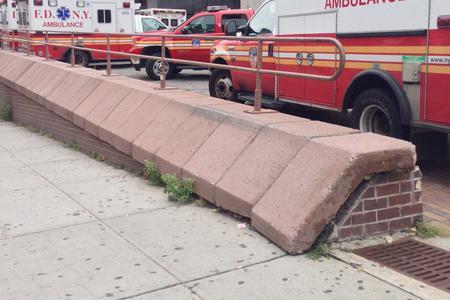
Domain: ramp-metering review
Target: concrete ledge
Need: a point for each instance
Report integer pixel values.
(290, 175)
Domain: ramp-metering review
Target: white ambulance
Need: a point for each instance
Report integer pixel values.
(397, 71)
(8, 20)
(89, 20)
(170, 17)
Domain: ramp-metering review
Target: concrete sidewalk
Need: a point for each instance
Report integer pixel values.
(75, 228)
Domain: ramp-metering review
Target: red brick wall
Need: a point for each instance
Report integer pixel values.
(5, 93)
(388, 203)
(29, 113)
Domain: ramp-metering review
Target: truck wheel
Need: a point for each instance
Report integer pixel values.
(221, 85)
(155, 67)
(375, 111)
(81, 58)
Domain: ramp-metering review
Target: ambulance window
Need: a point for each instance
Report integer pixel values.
(165, 21)
(104, 15)
(173, 22)
(239, 19)
(150, 24)
(204, 24)
(264, 22)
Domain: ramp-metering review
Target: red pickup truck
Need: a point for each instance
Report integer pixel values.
(209, 23)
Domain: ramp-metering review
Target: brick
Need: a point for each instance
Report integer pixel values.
(351, 232)
(375, 204)
(364, 218)
(410, 210)
(358, 208)
(406, 187)
(376, 227)
(400, 224)
(369, 193)
(393, 177)
(389, 189)
(400, 200)
(389, 213)
(347, 222)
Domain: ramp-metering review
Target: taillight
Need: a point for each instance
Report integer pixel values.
(126, 5)
(38, 2)
(443, 21)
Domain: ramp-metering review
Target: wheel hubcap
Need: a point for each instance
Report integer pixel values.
(224, 88)
(373, 119)
(159, 68)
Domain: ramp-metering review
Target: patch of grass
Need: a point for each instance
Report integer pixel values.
(97, 156)
(319, 251)
(6, 112)
(152, 173)
(178, 190)
(425, 231)
(73, 145)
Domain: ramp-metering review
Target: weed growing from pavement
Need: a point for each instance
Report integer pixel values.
(320, 250)
(178, 190)
(425, 231)
(97, 156)
(73, 145)
(6, 112)
(152, 173)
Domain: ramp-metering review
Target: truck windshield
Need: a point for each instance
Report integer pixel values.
(264, 21)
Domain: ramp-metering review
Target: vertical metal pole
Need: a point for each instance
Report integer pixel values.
(108, 56)
(3, 40)
(258, 90)
(29, 43)
(163, 63)
(13, 44)
(47, 54)
(72, 51)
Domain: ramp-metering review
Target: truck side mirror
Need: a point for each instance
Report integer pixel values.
(243, 30)
(230, 28)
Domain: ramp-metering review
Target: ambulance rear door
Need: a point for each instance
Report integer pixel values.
(307, 57)
(105, 17)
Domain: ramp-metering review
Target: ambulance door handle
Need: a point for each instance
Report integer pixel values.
(270, 52)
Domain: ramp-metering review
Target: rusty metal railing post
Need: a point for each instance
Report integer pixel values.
(13, 43)
(72, 50)
(163, 64)
(47, 53)
(29, 43)
(258, 89)
(108, 55)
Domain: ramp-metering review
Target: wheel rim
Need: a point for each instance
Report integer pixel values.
(158, 68)
(374, 119)
(80, 60)
(224, 87)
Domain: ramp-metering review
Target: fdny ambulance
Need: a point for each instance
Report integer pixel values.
(8, 18)
(397, 73)
(89, 20)
(170, 17)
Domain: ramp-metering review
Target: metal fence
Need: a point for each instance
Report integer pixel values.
(12, 37)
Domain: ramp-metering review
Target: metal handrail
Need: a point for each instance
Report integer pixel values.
(259, 71)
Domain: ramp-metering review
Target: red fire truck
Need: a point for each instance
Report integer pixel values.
(90, 21)
(397, 71)
(209, 23)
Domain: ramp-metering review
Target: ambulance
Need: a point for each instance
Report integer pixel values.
(170, 17)
(89, 20)
(397, 73)
(8, 18)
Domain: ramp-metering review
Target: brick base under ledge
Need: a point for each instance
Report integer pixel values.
(385, 203)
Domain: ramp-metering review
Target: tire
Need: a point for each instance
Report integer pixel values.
(375, 111)
(81, 58)
(221, 85)
(152, 67)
